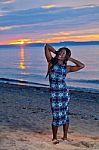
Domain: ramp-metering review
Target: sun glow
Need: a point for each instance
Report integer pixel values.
(22, 65)
(21, 42)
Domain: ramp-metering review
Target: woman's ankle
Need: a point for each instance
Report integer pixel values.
(54, 139)
(64, 137)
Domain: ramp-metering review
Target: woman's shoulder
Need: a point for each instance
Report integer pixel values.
(49, 64)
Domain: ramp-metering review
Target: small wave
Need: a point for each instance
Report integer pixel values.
(83, 81)
(92, 90)
(21, 82)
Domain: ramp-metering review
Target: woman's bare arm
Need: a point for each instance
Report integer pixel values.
(48, 50)
(78, 65)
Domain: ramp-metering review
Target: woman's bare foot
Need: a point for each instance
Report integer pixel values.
(55, 141)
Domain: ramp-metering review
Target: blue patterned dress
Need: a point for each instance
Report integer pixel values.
(59, 95)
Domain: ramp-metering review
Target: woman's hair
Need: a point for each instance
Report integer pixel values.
(54, 60)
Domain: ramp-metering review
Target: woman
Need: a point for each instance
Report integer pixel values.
(59, 94)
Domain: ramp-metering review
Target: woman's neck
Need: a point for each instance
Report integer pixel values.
(60, 62)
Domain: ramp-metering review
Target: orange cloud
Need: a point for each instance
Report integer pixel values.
(5, 28)
(48, 6)
(82, 38)
(59, 33)
(79, 38)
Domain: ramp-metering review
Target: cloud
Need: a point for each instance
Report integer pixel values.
(30, 4)
(55, 22)
(41, 15)
(48, 6)
(6, 6)
(7, 1)
(1, 14)
(5, 28)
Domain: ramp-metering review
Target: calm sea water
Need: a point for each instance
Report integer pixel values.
(27, 65)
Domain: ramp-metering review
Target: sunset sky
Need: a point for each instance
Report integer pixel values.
(26, 21)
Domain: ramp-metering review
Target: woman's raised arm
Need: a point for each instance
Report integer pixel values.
(78, 65)
(48, 50)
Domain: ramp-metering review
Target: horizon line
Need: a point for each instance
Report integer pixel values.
(37, 43)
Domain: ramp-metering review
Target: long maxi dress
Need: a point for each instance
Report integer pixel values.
(59, 95)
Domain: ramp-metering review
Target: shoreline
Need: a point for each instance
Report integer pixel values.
(25, 119)
(35, 84)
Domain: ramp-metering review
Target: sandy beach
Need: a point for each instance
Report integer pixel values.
(25, 119)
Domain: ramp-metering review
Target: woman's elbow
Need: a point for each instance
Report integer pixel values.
(82, 66)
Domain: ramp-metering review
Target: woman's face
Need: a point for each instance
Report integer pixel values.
(62, 55)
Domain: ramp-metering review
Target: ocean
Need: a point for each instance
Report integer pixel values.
(26, 65)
